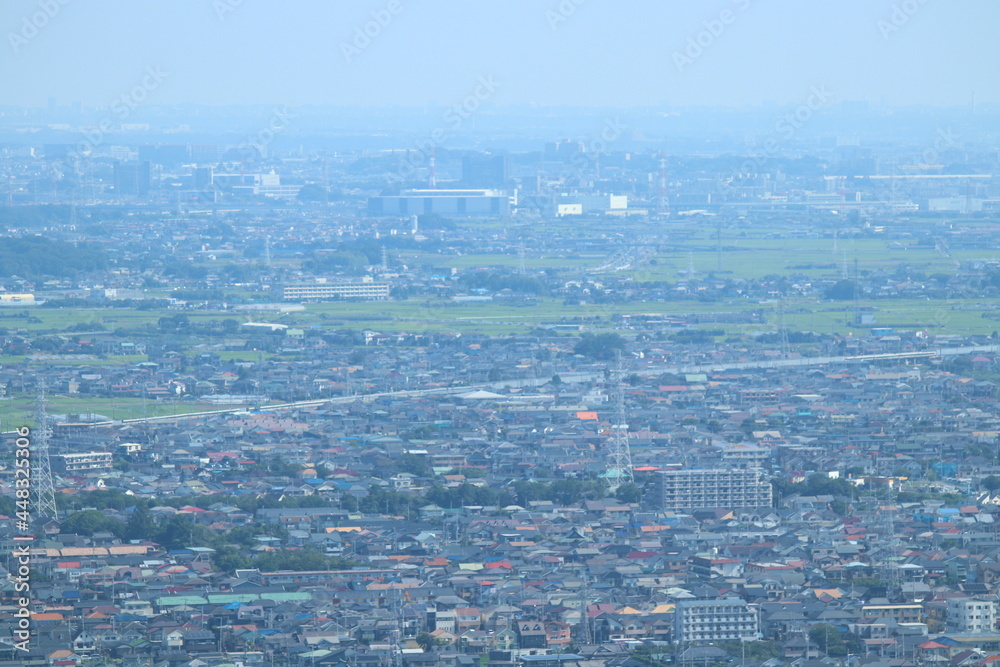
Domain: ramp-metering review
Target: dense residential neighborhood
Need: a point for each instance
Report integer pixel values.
(463, 518)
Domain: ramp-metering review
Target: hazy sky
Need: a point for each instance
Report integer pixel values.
(573, 52)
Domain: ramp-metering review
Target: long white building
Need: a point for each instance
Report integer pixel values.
(732, 488)
(715, 620)
(323, 289)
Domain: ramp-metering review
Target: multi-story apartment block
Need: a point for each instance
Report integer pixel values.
(901, 613)
(83, 462)
(335, 289)
(972, 615)
(708, 567)
(715, 620)
(679, 490)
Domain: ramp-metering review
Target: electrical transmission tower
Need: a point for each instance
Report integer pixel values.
(889, 567)
(45, 493)
(620, 455)
(783, 331)
(586, 634)
(889, 570)
(663, 203)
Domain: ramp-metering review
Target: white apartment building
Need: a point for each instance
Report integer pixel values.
(972, 616)
(715, 620)
(322, 289)
(733, 488)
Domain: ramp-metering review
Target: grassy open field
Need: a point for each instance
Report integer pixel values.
(18, 410)
(96, 320)
(815, 258)
(745, 252)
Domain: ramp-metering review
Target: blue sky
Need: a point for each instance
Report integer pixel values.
(544, 52)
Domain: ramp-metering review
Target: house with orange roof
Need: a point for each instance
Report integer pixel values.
(64, 658)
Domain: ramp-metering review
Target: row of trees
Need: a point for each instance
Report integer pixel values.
(36, 256)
